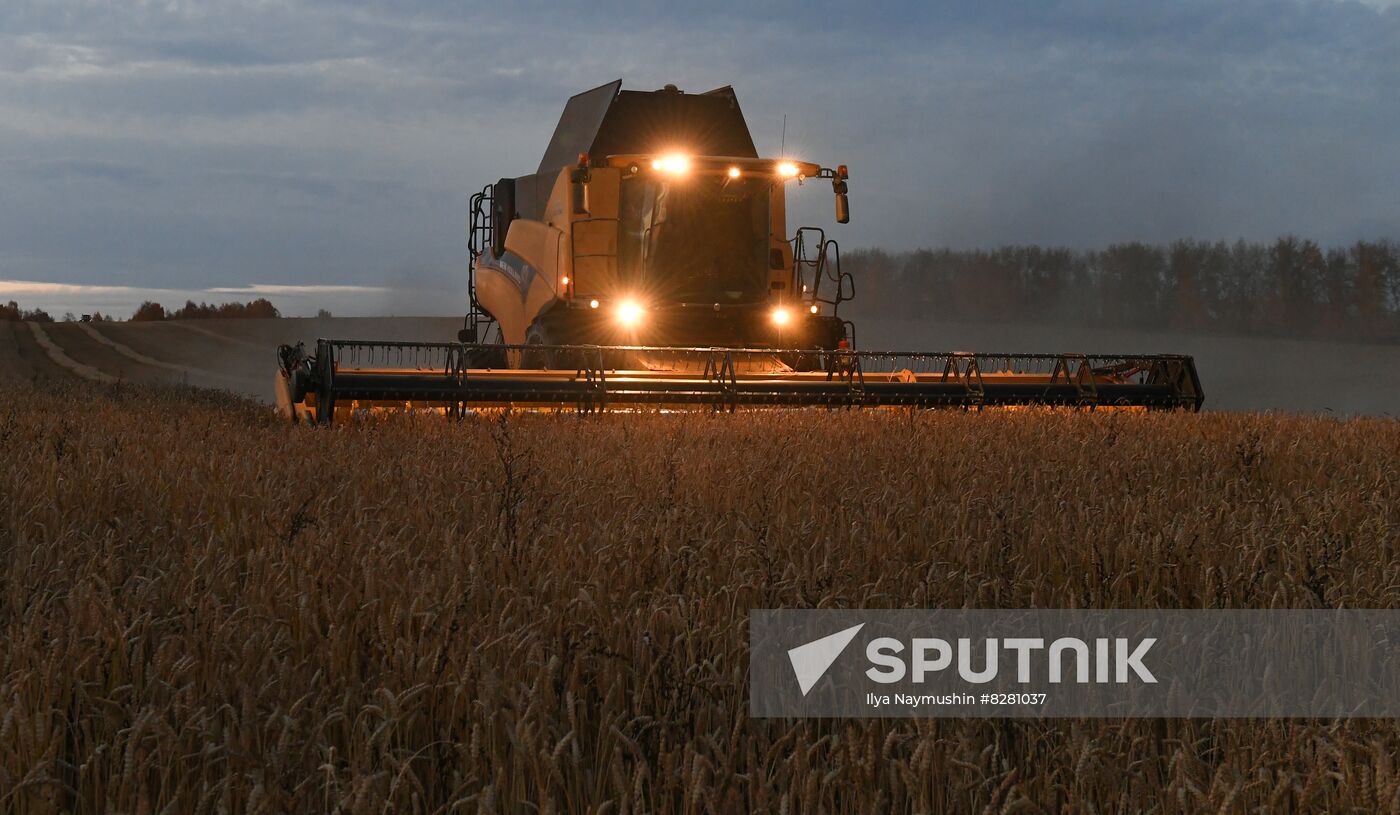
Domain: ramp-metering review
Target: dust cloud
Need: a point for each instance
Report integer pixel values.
(1237, 373)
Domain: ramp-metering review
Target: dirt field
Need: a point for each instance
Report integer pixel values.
(203, 609)
(1238, 373)
(23, 360)
(234, 355)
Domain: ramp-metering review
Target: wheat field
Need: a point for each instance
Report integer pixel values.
(204, 610)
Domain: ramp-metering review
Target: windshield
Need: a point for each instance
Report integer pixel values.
(699, 239)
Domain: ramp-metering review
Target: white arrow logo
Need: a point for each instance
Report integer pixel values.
(810, 661)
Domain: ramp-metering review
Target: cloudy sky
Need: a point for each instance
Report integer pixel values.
(234, 145)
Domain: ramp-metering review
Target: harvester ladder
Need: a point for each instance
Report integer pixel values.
(480, 236)
(816, 260)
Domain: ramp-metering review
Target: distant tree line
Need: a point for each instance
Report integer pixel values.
(147, 311)
(1288, 287)
(260, 307)
(12, 311)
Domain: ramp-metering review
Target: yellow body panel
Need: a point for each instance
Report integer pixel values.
(582, 247)
(545, 246)
(541, 245)
(594, 235)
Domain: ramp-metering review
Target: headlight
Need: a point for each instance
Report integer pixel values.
(781, 316)
(815, 309)
(787, 169)
(734, 172)
(629, 313)
(674, 164)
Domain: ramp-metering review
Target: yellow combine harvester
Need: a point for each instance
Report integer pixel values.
(647, 263)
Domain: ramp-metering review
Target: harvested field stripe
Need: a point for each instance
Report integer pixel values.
(136, 356)
(198, 329)
(60, 358)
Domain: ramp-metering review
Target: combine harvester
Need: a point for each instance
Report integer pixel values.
(647, 264)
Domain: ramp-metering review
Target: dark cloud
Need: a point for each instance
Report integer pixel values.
(229, 141)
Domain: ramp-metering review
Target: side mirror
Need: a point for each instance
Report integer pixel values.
(843, 204)
(502, 213)
(579, 180)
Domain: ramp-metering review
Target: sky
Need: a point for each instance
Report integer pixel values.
(234, 148)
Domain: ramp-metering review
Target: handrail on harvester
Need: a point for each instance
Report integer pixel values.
(593, 377)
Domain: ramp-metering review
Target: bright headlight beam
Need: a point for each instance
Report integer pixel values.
(674, 164)
(781, 316)
(734, 172)
(629, 313)
(787, 169)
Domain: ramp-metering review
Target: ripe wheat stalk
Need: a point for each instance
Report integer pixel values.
(204, 610)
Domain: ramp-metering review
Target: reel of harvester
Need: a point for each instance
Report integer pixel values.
(346, 377)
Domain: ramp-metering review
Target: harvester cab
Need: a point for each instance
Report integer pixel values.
(647, 264)
(653, 221)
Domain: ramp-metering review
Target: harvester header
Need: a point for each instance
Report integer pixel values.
(648, 262)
